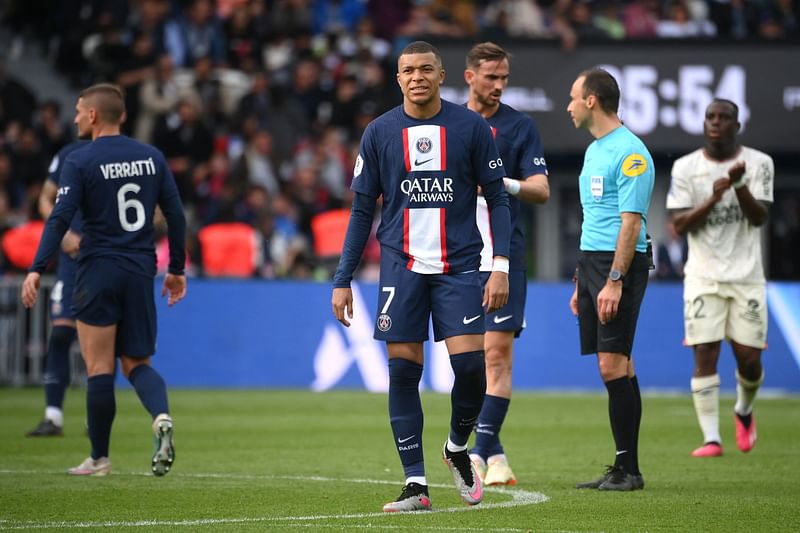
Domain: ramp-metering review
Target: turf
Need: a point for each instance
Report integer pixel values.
(294, 460)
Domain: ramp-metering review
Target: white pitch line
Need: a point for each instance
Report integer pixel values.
(518, 498)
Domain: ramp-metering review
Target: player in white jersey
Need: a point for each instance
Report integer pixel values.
(719, 197)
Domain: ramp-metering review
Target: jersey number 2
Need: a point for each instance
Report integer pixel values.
(123, 205)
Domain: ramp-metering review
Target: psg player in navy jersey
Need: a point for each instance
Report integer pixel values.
(519, 145)
(62, 335)
(426, 158)
(116, 182)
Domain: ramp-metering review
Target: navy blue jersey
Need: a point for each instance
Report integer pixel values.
(520, 147)
(428, 172)
(116, 182)
(54, 175)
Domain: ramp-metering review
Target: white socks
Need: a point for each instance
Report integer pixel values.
(705, 394)
(746, 393)
(54, 415)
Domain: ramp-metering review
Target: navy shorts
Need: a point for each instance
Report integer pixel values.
(407, 300)
(107, 294)
(617, 335)
(510, 317)
(61, 295)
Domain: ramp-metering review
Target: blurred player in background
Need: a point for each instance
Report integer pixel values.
(116, 182)
(616, 185)
(720, 197)
(62, 334)
(520, 147)
(426, 158)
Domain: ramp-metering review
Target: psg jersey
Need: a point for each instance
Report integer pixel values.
(520, 147)
(116, 182)
(428, 172)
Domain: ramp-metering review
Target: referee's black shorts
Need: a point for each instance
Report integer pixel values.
(615, 336)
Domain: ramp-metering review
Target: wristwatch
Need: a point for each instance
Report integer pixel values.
(616, 275)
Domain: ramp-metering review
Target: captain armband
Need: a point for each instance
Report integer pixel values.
(500, 264)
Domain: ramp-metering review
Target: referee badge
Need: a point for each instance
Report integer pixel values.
(597, 187)
(634, 165)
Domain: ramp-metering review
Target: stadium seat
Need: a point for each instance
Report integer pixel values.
(20, 243)
(230, 249)
(328, 230)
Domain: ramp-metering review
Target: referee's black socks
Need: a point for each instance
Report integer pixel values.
(622, 413)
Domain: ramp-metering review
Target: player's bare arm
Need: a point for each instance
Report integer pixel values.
(47, 198)
(610, 295)
(756, 211)
(534, 189)
(495, 294)
(686, 220)
(342, 303)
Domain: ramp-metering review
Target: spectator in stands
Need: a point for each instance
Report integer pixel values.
(194, 34)
(679, 23)
(516, 18)
(243, 43)
(185, 142)
(671, 255)
(132, 73)
(30, 168)
(159, 95)
(256, 166)
(52, 132)
(209, 88)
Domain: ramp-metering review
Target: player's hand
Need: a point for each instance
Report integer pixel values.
(30, 288)
(573, 301)
(495, 294)
(71, 243)
(342, 303)
(736, 172)
(176, 286)
(719, 187)
(608, 301)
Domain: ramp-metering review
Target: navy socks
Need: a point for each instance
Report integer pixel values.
(405, 414)
(150, 388)
(101, 407)
(466, 398)
(487, 430)
(57, 374)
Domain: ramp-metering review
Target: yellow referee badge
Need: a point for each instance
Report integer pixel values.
(634, 165)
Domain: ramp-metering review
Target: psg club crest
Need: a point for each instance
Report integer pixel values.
(424, 145)
(384, 322)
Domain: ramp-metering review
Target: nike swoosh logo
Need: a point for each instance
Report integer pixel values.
(501, 319)
(608, 339)
(621, 452)
(418, 162)
(401, 441)
(484, 425)
(470, 320)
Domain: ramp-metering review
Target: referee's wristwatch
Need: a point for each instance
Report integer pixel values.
(616, 275)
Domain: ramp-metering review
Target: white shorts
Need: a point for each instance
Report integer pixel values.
(713, 311)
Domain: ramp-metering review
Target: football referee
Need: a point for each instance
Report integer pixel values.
(616, 183)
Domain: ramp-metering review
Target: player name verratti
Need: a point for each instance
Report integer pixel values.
(128, 169)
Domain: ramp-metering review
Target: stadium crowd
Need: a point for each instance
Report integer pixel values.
(259, 105)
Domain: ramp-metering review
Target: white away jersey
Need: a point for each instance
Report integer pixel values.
(727, 248)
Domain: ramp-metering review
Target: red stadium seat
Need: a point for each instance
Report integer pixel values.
(328, 230)
(230, 249)
(20, 243)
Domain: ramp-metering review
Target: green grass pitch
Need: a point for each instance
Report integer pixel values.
(278, 460)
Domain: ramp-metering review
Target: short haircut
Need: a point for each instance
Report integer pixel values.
(734, 107)
(487, 51)
(601, 84)
(108, 99)
(422, 47)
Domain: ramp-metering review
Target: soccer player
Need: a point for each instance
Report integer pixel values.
(720, 197)
(57, 371)
(116, 182)
(519, 145)
(426, 158)
(616, 185)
